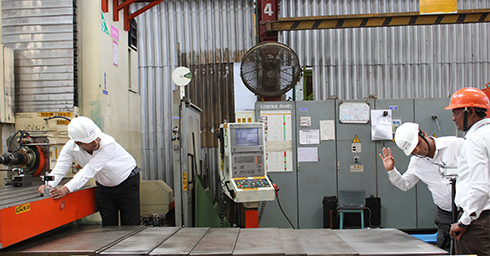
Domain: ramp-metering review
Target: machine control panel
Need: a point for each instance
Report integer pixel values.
(242, 148)
(251, 183)
(247, 166)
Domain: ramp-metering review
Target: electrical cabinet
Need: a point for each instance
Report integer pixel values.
(398, 208)
(355, 150)
(330, 148)
(435, 121)
(317, 164)
(280, 132)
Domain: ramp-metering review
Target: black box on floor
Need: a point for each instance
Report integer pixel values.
(330, 214)
(374, 204)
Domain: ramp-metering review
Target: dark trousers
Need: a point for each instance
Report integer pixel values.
(443, 220)
(123, 198)
(476, 238)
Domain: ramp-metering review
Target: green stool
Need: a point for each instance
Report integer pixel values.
(342, 211)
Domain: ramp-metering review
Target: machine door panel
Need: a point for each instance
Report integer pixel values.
(191, 145)
(280, 162)
(435, 121)
(356, 151)
(317, 165)
(398, 208)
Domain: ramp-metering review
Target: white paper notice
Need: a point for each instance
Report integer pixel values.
(278, 136)
(354, 112)
(327, 128)
(308, 154)
(381, 125)
(309, 137)
(305, 121)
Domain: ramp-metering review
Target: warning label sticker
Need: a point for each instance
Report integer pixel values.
(356, 140)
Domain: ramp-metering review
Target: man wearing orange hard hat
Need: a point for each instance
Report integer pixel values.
(472, 230)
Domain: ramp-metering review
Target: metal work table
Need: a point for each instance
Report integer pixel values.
(141, 240)
(25, 214)
(11, 196)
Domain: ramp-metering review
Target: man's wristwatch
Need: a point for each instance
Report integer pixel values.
(461, 225)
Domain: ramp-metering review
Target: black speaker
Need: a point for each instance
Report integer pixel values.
(374, 207)
(330, 214)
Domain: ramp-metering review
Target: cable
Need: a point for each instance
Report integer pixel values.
(23, 134)
(52, 117)
(262, 209)
(276, 188)
(369, 219)
(280, 207)
(223, 204)
(437, 123)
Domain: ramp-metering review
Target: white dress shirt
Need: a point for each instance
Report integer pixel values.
(429, 171)
(473, 184)
(110, 165)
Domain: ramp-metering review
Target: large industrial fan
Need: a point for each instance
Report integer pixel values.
(270, 69)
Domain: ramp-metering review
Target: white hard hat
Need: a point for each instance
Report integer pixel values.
(83, 129)
(407, 137)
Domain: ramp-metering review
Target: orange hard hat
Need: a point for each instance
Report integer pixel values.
(469, 97)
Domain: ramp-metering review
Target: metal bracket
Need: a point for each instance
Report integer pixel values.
(175, 135)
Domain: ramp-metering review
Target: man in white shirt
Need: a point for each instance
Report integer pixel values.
(430, 157)
(472, 231)
(102, 158)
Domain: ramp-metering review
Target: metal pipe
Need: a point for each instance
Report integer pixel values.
(17, 158)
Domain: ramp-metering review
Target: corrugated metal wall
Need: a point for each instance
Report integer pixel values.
(207, 36)
(395, 62)
(42, 36)
(212, 90)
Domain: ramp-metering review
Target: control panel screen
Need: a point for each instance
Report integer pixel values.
(247, 137)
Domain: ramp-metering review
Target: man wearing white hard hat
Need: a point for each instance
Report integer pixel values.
(102, 158)
(430, 157)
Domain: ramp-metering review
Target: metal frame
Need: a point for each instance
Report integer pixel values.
(377, 20)
(116, 7)
(183, 175)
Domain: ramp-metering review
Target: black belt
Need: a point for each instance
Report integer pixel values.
(443, 210)
(135, 171)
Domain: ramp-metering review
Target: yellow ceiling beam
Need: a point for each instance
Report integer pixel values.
(377, 20)
(438, 6)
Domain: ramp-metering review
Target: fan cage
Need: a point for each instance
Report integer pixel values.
(270, 69)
